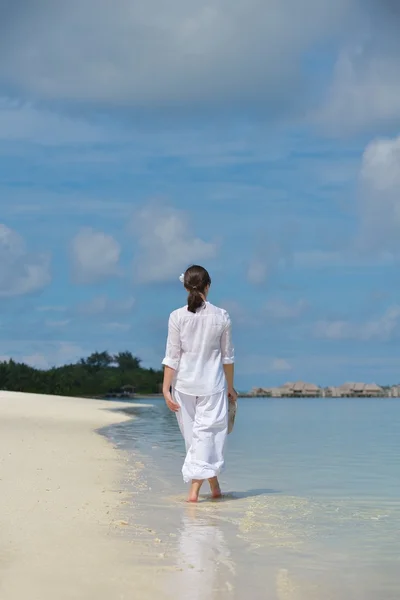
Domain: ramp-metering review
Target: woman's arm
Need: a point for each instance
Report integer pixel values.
(167, 383)
(229, 373)
(171, 361)
(228, 359)
(229, 370)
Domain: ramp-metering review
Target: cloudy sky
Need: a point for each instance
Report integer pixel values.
(259, 138)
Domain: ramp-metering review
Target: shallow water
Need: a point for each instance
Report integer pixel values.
(312, 505)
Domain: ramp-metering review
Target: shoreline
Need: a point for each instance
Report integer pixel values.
(62, 501)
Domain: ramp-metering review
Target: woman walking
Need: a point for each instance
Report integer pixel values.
(198, 380)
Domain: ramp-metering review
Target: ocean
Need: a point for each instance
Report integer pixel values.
(311, 508)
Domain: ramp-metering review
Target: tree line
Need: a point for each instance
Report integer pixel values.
(100, 374)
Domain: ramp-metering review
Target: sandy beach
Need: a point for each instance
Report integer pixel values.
(87, 516)
(61, 501)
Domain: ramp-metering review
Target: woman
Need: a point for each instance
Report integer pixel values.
(198, 381)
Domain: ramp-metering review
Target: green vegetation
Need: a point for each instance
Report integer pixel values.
(100, 374)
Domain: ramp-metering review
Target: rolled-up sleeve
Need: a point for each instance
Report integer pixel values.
(227, 349)
(173, 350)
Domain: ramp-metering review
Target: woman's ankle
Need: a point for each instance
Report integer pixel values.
(214, 487)
(195, 490)
(213, 481)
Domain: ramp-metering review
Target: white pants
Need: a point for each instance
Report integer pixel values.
(203, 421)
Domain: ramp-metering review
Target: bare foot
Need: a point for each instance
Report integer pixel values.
(194, 490)
(214, 487)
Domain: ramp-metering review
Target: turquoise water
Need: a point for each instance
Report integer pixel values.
(312, 506)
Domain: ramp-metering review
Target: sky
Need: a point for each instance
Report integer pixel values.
(259, 139)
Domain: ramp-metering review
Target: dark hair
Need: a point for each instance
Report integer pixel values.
(196, 280)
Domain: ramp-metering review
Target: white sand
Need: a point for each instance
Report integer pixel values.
(60, 501)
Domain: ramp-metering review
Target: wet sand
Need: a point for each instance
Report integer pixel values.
(61, 503)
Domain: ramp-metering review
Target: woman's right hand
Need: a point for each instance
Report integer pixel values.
(172, 405)
(232, 395)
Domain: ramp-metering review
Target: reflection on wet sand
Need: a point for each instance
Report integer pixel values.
(206, 569)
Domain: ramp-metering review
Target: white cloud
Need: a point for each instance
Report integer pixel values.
(51, 309)
(29, 123)
(257, 271)
(184, 56)
(381, 328)
(165, 55)
(167, 244)
(268, 256)
(377, 240)
(101, 305)
(334, 330)
(379, 197)
(278, 309)
(94, 255)
(57, 324)
(280, 364)
(364, 92)
(348, 257)
(42, 355)
(319, 259)
(21, 271)
(239, 314)
(325, 369)
(256, 364)
(366, 81)
(381, 165)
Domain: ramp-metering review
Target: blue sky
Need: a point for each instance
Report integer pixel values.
(262, 141)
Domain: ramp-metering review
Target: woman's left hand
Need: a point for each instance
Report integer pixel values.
(172, 405)
(232, 395)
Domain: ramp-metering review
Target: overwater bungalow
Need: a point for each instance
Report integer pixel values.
(357, 390)
(297, 389)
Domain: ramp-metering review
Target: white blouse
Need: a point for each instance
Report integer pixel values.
(198, 346)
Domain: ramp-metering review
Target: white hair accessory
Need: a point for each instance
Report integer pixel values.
(182, 278)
